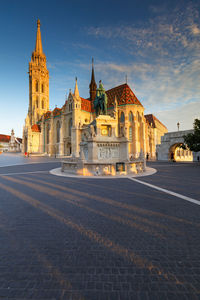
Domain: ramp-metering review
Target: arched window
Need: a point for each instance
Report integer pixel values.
(58, 132)
(42, 103)
(130, 134)
(130, 116)
(42, 87)
(36, 86)
(48, 129)
(70, 126)
(36, 102)
(138, 117)
(122, 118)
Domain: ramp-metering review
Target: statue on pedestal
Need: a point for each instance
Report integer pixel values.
(100, 102)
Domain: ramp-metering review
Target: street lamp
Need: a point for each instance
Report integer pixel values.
(178, 125)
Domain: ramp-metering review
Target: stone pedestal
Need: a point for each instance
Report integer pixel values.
(102, 152)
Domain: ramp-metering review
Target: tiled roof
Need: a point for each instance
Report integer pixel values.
(4, 138)
(151, 120)
(123, 94)
(36, 128)
(47, 115)
(57, 111)
(86, 104)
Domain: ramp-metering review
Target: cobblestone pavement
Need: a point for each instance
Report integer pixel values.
(86, 239)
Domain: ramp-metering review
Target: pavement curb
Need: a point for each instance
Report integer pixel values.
(57, 172)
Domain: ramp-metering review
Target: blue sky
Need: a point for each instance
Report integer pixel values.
(155, 43)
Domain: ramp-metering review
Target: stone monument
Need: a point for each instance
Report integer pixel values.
(102, 150)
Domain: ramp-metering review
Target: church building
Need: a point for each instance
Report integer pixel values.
(58, 132)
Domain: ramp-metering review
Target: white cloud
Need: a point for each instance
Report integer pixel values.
(185, 115)
(165, 67)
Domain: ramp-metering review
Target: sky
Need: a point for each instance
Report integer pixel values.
(156, 44)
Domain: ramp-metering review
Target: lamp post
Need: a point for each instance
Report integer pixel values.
(178, 125)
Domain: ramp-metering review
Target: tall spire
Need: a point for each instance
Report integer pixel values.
(76, 92)
(38, 44)
(93, 85)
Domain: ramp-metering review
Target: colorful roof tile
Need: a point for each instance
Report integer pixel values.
(123, 94)
(86, 105)
(57, 111)
(47, 114)
(35, 128)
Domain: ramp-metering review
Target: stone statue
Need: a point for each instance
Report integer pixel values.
(100, 102)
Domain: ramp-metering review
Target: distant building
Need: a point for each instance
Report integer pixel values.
(4, 142)
(59, 132)
(14, 143)
(9, 143)
(154, 131)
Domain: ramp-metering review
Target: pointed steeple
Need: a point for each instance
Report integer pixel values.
(76, 91)
(93, 85)
(38, 44)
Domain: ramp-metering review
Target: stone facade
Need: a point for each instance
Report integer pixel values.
(58, 132)
(170, 149)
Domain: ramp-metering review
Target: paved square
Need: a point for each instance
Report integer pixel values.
(70, 238)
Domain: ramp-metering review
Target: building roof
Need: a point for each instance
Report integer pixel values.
(19, 140)
(47, 114)
(123, 94)
(86, 104)
(35, 128)
(4, 138)
(57, 111)
(150, 118)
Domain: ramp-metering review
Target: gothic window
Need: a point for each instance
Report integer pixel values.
(42, 87)
(122, 118)
(48, 129)
(130, 116)
(58, 132)
(36, 86)
(70, 126)
(37, 102)
(42, 103)
(130, 134)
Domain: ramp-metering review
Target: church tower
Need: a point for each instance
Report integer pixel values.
(93, 85)
(38, 81)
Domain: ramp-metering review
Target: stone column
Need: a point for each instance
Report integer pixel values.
(62, 128)
(135, 140)
(51, 137)
(42, 137)
(143, 138)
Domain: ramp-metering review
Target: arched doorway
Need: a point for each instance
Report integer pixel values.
(176, 153)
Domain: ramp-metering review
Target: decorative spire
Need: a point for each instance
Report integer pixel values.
(76, 92)
(38, 44)
(93, 85)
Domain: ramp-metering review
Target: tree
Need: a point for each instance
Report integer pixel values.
(192, 140)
